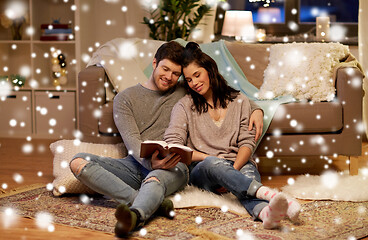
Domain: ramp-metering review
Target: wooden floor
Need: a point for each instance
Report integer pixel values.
(36, 167)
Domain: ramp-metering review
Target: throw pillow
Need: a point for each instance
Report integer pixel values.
(303, 70)
(64, 150)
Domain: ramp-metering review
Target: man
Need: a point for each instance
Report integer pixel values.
(142, 112)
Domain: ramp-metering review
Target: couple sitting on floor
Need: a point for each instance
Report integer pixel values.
(202, 112)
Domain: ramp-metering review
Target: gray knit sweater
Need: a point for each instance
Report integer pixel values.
(199, 132)
(142, 114)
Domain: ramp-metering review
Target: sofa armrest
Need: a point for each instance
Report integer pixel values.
(92, 96)
(349, 93)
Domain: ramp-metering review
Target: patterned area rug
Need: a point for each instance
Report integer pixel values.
(318, 220)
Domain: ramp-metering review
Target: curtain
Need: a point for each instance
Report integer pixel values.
(363, 54)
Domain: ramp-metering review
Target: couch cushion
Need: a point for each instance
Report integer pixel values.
(307, 117)
(251, 58)
(319, 117)
(106, 124)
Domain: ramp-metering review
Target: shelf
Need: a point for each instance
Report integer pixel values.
(53, 89)
(32, 58)
(15, 41)
(53, 42)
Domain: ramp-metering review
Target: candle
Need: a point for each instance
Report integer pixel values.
(322, 28)
(261, 35)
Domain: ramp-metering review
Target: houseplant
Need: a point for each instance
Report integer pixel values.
(173, 19)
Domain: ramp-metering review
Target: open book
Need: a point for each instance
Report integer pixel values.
(148, 147)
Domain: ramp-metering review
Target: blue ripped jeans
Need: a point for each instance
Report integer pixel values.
(213, 173)
(125, 180)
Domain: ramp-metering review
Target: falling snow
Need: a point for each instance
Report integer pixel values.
(44, 220)
(127, 50)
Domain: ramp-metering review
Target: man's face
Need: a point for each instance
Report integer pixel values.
(165, 74)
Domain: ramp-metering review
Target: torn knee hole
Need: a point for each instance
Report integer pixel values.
(76, 165)
(152, 179)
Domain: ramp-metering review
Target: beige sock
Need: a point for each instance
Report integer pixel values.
(294, 208)
(274, 212)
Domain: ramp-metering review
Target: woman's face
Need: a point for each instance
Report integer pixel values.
(197, 79)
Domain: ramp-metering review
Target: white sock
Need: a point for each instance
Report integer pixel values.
(274, 212)
(294, 208)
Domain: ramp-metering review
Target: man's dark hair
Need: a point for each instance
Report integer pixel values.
(172, 51)
(221, 91)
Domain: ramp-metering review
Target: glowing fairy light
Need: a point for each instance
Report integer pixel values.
(4, 186)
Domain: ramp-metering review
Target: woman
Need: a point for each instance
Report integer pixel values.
(213, 120)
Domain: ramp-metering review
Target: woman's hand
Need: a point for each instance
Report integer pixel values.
(256, 119)
(169, 161)
(198, 156)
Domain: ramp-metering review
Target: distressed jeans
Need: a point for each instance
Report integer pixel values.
(213, 173)
(125, 180)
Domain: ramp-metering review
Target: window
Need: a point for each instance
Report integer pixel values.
(297, 17)
(339, 11)
(273, 13)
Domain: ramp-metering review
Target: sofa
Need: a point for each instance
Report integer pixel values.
(328, 128)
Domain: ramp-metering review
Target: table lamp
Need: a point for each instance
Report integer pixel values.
(239, 24)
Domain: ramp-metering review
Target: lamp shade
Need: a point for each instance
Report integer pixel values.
(238, 24)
